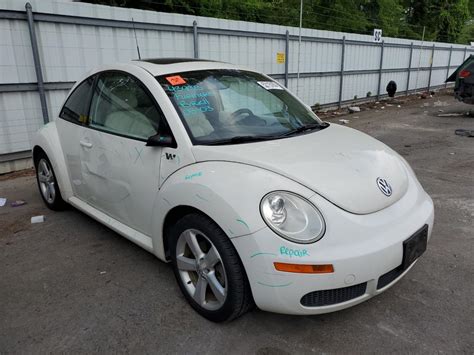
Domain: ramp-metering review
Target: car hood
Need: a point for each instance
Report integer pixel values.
(339, 163)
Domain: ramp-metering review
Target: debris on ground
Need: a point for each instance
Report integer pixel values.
(375, 105)
(440, 103)
(103, 272)
(451, 114)
(37, 219)
(464, 132)
(3, 201)
(353, 109)
(18, 203)
(344, 121)
(424, 96)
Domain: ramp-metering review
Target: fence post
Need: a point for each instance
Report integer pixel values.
(195, 39)
(409, 69)
(431, 68)
(36, 59)
(465, 51)
(341, 78)
(287, 51)
(380, 70)
(449, 66)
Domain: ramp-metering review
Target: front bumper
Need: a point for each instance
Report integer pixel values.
(362, 248)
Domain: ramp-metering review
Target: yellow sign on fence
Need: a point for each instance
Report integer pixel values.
(280, 57)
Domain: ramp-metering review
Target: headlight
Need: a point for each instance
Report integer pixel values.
(292, 217)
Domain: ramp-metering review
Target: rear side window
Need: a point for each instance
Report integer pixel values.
(77, 105)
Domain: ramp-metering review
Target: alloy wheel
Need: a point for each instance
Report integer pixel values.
(201, 269)
(46, 181)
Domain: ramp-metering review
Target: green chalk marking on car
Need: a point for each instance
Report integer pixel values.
(257, 254)
(298, 253)
(202, 198)
(281, 285)
(192, 176)
(245, 224)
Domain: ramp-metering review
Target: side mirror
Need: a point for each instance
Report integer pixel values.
(161, 140)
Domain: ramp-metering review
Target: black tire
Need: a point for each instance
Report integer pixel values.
(56, 203)
(238, 299)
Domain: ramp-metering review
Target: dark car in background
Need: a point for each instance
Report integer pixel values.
(463, 77)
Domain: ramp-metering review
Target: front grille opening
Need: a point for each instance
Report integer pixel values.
(334, 296)
(388, 277)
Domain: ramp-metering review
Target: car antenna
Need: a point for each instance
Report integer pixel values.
(136, 40)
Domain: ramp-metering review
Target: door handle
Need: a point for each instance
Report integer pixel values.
(86, 144)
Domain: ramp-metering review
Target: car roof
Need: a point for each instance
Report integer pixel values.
(162, 66)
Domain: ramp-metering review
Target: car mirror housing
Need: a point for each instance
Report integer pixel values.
(161, 140)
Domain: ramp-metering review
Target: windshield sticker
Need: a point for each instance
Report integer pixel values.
(175, 80)
(269, 85)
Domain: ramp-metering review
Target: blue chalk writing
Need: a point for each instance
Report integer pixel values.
(183, 88)
(280, 285)
(243, 222)
(298, 253)
(202, 198)
(139, 154)
(257, 254)
(192, 95)
(192, 176)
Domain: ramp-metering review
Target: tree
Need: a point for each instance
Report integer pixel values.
(443, 20)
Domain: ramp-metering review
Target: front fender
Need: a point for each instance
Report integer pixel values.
(47, 138)
(229, 193)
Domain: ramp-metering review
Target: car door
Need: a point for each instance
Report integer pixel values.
(121, 173)
(71, 126)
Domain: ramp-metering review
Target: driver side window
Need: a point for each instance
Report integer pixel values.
(121, 105)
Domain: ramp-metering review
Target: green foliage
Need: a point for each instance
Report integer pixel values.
(443, 20)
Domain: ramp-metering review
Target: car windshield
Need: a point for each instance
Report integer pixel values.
(234, 106)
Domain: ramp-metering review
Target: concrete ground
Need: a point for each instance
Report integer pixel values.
(72, 285)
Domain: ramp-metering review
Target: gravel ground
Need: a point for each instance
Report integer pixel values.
(72, 285)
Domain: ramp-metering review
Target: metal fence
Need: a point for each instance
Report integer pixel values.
(44, 48)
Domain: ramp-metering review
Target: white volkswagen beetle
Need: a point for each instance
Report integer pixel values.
(226, 174)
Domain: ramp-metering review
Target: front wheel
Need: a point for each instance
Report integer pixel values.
(208, 269)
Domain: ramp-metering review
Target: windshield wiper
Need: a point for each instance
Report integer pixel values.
(306, 127)
(239, 139)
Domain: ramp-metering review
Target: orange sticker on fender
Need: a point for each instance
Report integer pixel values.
(175, 80)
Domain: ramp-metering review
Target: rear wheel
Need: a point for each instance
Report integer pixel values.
(208, 269)
(47, 183)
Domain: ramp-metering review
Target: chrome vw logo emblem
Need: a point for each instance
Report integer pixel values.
(384, 186)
